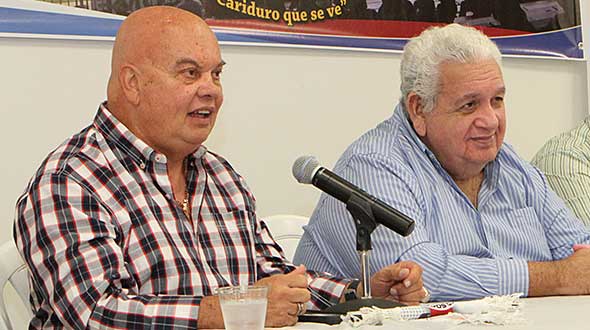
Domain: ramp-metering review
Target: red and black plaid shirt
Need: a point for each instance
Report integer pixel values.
(107, 245)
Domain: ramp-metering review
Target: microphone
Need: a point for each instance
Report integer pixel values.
(307, 169)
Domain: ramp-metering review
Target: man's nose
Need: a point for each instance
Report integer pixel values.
(488, 117)
(209, 87)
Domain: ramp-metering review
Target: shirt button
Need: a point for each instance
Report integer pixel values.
(115, 276)
(158, 158)
(142, 166)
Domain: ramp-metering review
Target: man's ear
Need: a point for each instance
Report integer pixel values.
(129, 82)
(415, 110)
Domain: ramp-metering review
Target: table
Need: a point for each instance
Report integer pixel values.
(546, 313)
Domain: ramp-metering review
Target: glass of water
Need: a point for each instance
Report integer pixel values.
(243, 307)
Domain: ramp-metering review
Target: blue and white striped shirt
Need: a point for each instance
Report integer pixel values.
(466, 252)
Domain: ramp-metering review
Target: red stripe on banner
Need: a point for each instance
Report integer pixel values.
(350, 27)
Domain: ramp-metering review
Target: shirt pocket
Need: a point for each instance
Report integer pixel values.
(527, 238)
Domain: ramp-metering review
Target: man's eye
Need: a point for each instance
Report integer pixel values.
(191, 73)
(217, 74)
(498, 102)
(468, 106)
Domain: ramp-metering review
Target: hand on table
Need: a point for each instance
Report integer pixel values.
(285, 292)
(401, 282)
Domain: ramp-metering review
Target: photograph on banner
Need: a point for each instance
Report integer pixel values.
(547, 28)
(521, 15)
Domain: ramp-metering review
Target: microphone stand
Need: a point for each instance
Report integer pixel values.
(365, 224)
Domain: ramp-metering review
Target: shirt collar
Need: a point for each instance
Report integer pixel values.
(402, 116)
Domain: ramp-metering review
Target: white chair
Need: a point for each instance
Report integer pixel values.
(287, 230)
(13, 306)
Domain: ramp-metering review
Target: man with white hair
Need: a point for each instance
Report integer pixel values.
(487, 223)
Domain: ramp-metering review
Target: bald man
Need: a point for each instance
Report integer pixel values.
(132, 223)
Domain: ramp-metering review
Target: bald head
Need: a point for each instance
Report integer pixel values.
(149, 36)
(165, 84)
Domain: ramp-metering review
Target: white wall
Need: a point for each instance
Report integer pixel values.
(280, 104)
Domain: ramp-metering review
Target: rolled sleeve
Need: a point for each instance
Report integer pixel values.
(513, 276)
(326, 290)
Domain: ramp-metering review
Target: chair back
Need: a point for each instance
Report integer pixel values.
(13, 272)
(287, 230)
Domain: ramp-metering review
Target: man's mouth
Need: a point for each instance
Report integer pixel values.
(200, 113)
(484, 139)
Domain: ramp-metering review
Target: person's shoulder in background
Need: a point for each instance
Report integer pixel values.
(565, 161)
(576, 140)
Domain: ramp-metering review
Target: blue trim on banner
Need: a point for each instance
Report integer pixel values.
(561, 43)
(554, 44)
(314, 40)
(13, 20)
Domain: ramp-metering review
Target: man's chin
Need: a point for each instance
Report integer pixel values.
(484, 156)
(197, 135)
(195, 141)
(483, 160)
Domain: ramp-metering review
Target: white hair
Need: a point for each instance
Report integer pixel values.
(420, 65)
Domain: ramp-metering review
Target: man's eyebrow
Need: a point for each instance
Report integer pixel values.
(186, 60)
(499, 90)
(466, 97)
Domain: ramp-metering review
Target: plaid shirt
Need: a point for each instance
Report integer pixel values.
(107, 245)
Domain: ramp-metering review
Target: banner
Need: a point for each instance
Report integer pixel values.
(547, 28)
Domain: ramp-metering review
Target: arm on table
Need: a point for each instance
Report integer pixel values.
(569, 276)
(569, 273)
(401, 281)
(291, 285)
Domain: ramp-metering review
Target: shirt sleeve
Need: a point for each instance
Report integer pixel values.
(568, 174)
(74, 254)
